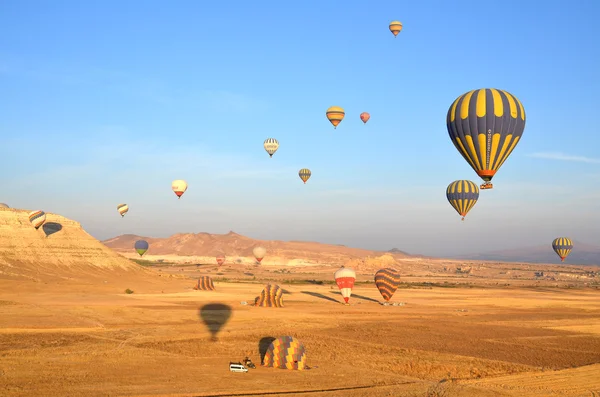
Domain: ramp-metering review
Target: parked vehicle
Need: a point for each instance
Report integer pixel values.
(237, 367)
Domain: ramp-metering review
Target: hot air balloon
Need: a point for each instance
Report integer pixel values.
(205, 283)
(304, 174)
(285, 352)
(37, 218)
(2, 205)
(562, 246)
(271, 296)
(395, 27)
(141, 246)
(122, 208)
(364, 116)
(259, 253)
(215, 316)
(485, 125)
(335, 115)
(344, 278)
(387, 281)
(179, 186)
(220, 259)
(462, 195)
(271, 145)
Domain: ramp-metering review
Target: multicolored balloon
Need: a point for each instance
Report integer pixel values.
(344, 278)
(122, 208)
(462, 195)
(220, 259)
(395, 27)
(304, 174)
(259, 253)
(364, 116)
(285, 352)
(271, 145)
(485, 126)
(562, 246)
(179, 186)
(335, 115)
(37, 218)
(141, 246)
(387, 281)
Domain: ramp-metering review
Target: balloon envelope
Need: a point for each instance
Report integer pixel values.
(215, 316)
(304, 174)
(387, 281)
(344, 278)
(271, 145)
(395, 27)
(364, 116)
(462, 196)
(179, 187)
(485, 126)
(220, 259)
(141, 246)
(37, 218)
(2, 205)
(259, 253)
(122, 208)
(335, 115)
(562, 246)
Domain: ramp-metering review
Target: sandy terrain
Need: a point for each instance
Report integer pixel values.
(74, 338)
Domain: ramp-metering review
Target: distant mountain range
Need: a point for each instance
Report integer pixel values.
(582, 254)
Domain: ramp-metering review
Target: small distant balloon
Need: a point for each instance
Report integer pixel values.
(215, 316)
(259, 253)
(179, 186)
(2, 205)
(304, 174)
(395, 27)
(364, 116)
(37, 218)
(122, 208)
(335, 115)
(141, 246)
(562, 246)
(271, 145)
(220, 259)
(462, 196)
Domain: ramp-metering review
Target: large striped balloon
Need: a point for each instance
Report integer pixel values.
(141, 246)
(335, 115)
(122, 208)
(271, 296)
(205, 283)
(37, 218)
(344, 278)
(387, 281)
(462, 195)
(304, 174)
(285, 352)
(562, 246)
(485, 125)
(271, 145)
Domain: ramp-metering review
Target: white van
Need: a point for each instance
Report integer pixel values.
(237, 367)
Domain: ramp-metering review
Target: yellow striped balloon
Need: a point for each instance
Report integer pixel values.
(562, 246)
(485, 125)
(271, 145)
(335, 115)
(122, 208)
(395, 27)
(304, 174)
(462, 195)
(37, 218)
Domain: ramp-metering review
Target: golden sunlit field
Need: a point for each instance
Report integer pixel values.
(87, 337)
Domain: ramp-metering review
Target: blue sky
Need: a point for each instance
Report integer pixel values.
(108, 102)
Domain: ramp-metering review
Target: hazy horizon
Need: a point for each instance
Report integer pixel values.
(99, 111)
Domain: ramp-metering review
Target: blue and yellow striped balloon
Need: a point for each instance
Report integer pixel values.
(485, 125)
(37, 218)
(462, 195)
(562, 246)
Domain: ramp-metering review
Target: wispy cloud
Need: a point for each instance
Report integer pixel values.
(564, 157)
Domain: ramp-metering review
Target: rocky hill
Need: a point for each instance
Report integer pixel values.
(60, 249)
(203, 247)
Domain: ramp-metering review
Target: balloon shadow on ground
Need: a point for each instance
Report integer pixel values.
(318, 295)
(50, 228)
(285, 292)
(263, 346)
(214, 316)
(366, 298)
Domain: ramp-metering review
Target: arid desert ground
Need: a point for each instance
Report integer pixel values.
(67, 327)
